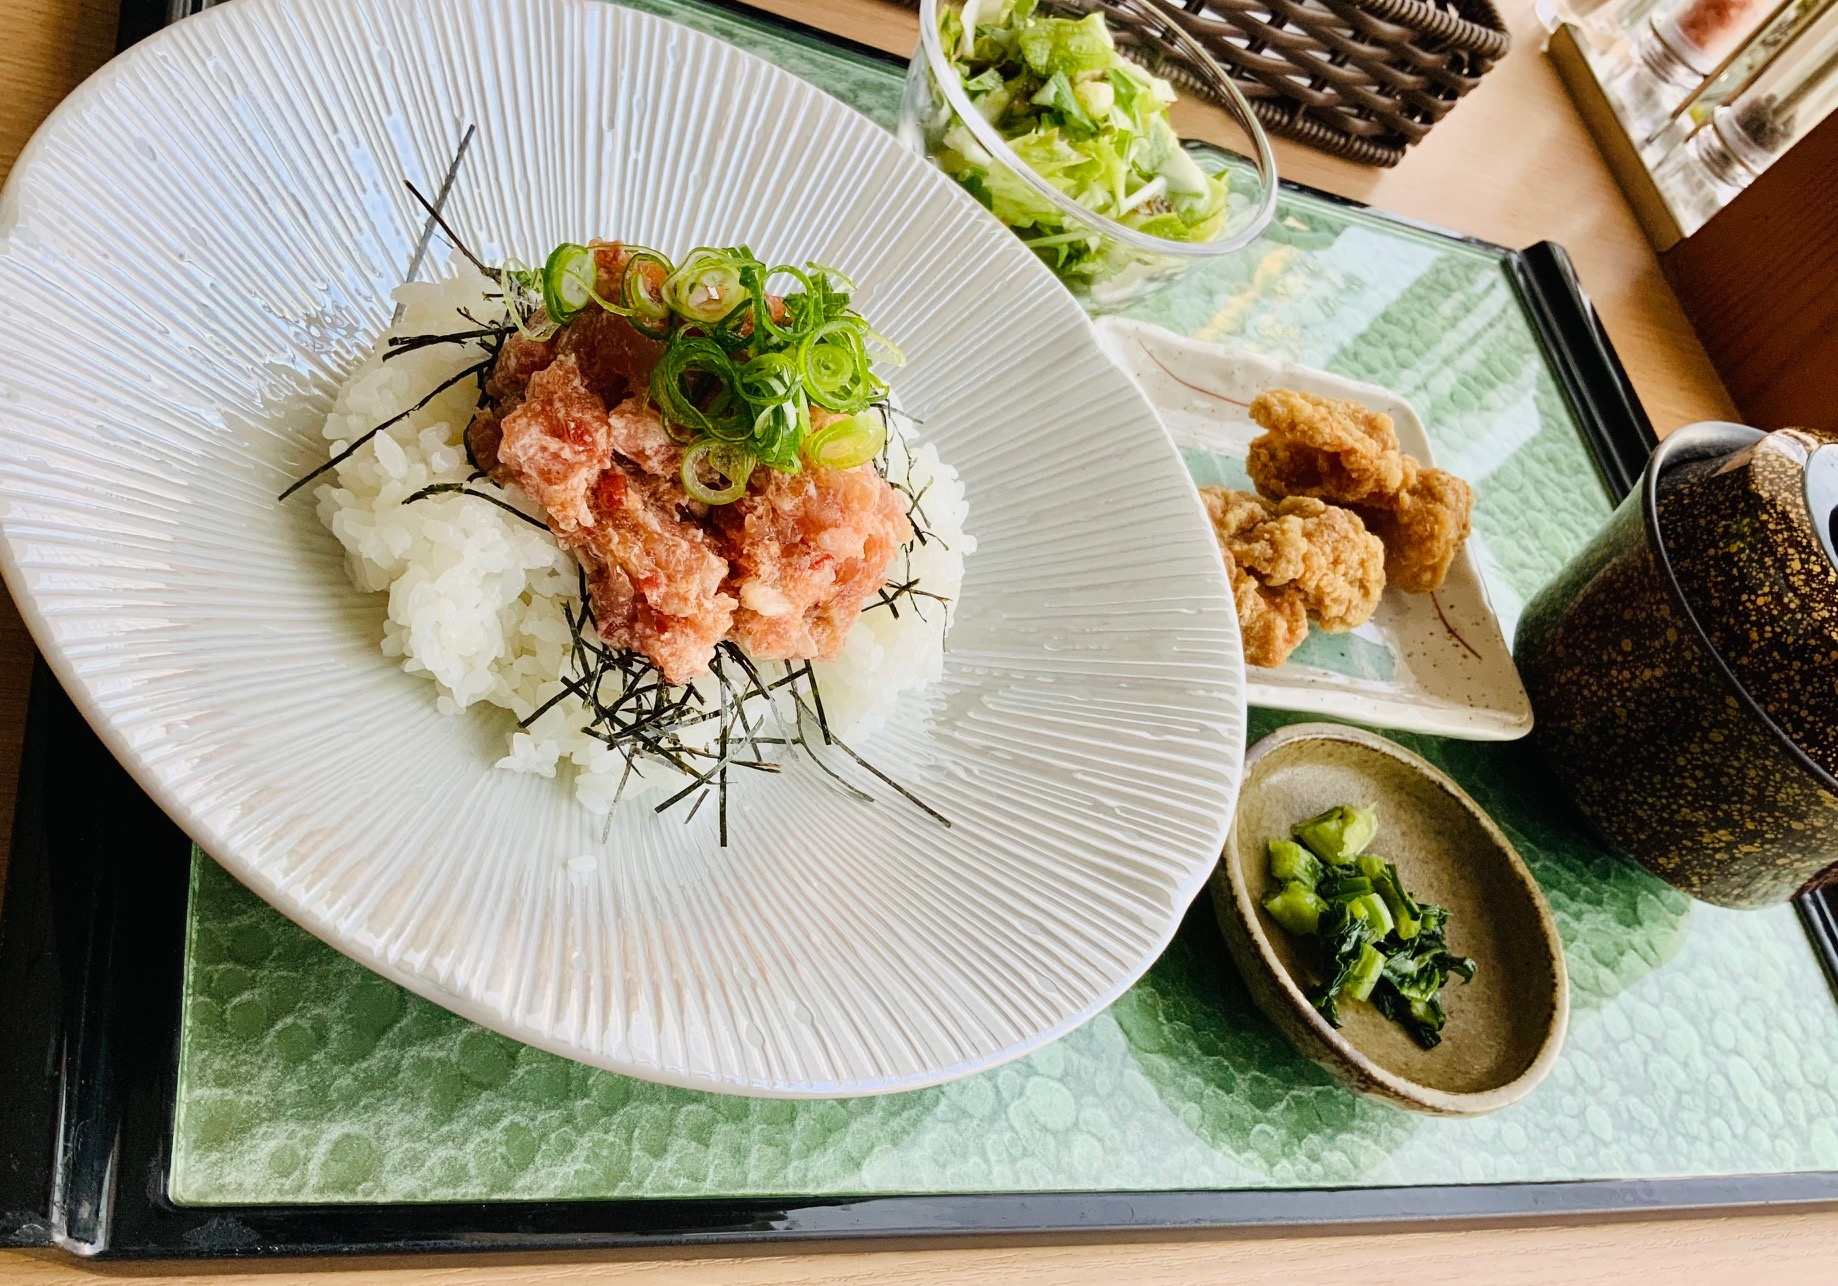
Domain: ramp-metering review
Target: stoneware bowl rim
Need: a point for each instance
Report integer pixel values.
(1397, 1088)
(1698, 442)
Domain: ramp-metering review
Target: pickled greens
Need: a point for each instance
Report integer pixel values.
(1373, 941)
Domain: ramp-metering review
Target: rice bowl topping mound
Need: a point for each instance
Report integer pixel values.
(489, 591)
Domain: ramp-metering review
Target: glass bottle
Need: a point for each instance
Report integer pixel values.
(1680, 46)
(1785, 99)
(1737, 71)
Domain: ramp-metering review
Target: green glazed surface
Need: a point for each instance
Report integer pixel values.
(1702, 1040)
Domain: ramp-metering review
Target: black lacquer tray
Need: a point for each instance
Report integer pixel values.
(92, 949)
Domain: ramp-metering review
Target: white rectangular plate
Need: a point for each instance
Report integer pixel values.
(1436, 663)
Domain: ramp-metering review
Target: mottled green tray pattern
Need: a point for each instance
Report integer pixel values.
(305, 1078)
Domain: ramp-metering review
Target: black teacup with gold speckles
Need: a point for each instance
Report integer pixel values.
(1663, 747)
(1749, 539)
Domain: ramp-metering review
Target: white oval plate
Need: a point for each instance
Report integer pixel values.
(188, 295)
(1436, 663)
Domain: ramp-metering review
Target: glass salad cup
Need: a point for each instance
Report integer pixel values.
(1130, 263)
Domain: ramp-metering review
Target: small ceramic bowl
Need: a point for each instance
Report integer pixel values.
(1504, 1028)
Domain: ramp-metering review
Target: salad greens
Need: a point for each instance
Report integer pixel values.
(1377, 943)
(1083, 117)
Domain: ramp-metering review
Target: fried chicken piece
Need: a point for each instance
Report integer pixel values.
(1344, 452)
(1422, 528)
(556, 442)
(654, 575)
(611, 258)
(1234, 513)
(1322, 551)
(1323, 447)
(1272, 622)
(1291, 560)
(808, 550)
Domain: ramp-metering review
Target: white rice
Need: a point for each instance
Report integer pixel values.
(476, 594)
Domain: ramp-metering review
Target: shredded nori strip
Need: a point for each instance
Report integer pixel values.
(890, 594)
(632, 708)
(427, 229)
(352, 449)
(461, 489)
(440, 222)
(400, 344)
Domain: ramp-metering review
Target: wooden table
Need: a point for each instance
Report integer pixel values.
(1512, 165)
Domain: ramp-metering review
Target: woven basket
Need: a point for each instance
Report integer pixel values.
(1363, 79)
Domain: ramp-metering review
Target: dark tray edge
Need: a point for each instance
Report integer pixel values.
(1615, 425)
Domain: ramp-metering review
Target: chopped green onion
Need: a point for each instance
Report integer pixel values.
(568, 282)
(769, 378)
(734, 465)
(846, 443)
(886, 345)
(521, 287)
(646, 271)
(842, 278)
(693, 385)
(740, 369)
(754, 278)
(778, 432)
(833, 363)
(818, 303)
(707, 287)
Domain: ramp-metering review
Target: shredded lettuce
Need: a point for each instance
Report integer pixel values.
(1065, 46)
(1087, 120)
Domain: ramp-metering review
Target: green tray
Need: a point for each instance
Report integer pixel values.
(304, 1079)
